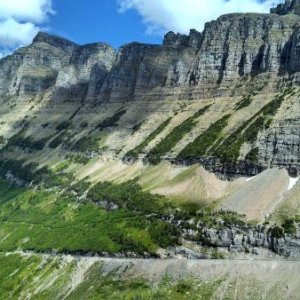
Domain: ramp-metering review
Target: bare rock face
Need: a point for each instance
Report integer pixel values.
(56, 64)
(229, 50)
(175, 40)
(87, 68)
(144, 72)
(240, 44)
(194, 39)
(205, 64)
(289, 7)
(34, 69)
(54, 41)
(280, 145)
(251, 240)
(291, 57)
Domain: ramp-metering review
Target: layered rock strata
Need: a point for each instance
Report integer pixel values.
(233, 52)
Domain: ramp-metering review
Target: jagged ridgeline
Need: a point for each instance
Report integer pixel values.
(195, 98)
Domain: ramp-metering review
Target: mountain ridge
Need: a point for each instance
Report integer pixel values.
(248, 55)
(189, 67)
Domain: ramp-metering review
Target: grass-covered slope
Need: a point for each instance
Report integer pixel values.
(133, 154)
(215, 142)
(51, 278)
(44, 221)
(58, 215)
(155, 155)
(206, 140)
(63, 135)
(63, 277)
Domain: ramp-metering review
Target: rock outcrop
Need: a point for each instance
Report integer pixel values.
(32, 70)
(87, 69)
(193, 40)
(230, 49)
(252, 240)
(52, 63)
(194, 66)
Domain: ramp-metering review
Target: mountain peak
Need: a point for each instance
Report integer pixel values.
(55, 41)
(176, 39)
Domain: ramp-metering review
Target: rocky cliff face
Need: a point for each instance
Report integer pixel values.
(230, 49)
(236, 54)
(88, 66)
(34, 69)
(235, 47)
(252, 240)
(52, 63)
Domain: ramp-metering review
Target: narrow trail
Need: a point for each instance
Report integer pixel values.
(128, 259)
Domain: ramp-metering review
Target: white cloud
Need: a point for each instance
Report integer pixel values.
(25, 10)
(20, 20)
(13, 33)
(182, 15)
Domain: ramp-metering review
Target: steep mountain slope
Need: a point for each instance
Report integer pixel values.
(250, 55)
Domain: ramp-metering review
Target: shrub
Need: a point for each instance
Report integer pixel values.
(245, 102)
(129, 195)
(86, 144)
(57, 141)
(276, 232)
(133, 154)
(112, 121)
(253, 155)
(63, 125)
(164, 234)
(136, 127)
(217, 255)
(28, 142)
(78, 158)
(175, 136)
(204, 141)
(29, 172)
(289, 226)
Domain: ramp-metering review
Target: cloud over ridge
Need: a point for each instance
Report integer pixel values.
(20, 20)
(182, 15)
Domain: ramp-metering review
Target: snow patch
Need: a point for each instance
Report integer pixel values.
(292, 182)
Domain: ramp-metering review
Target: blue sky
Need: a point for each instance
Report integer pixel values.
(113, 21)
(91, 21)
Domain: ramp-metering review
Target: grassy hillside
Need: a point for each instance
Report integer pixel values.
(91, 142)
(57, 277)
(43, 221)
(18, 278)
